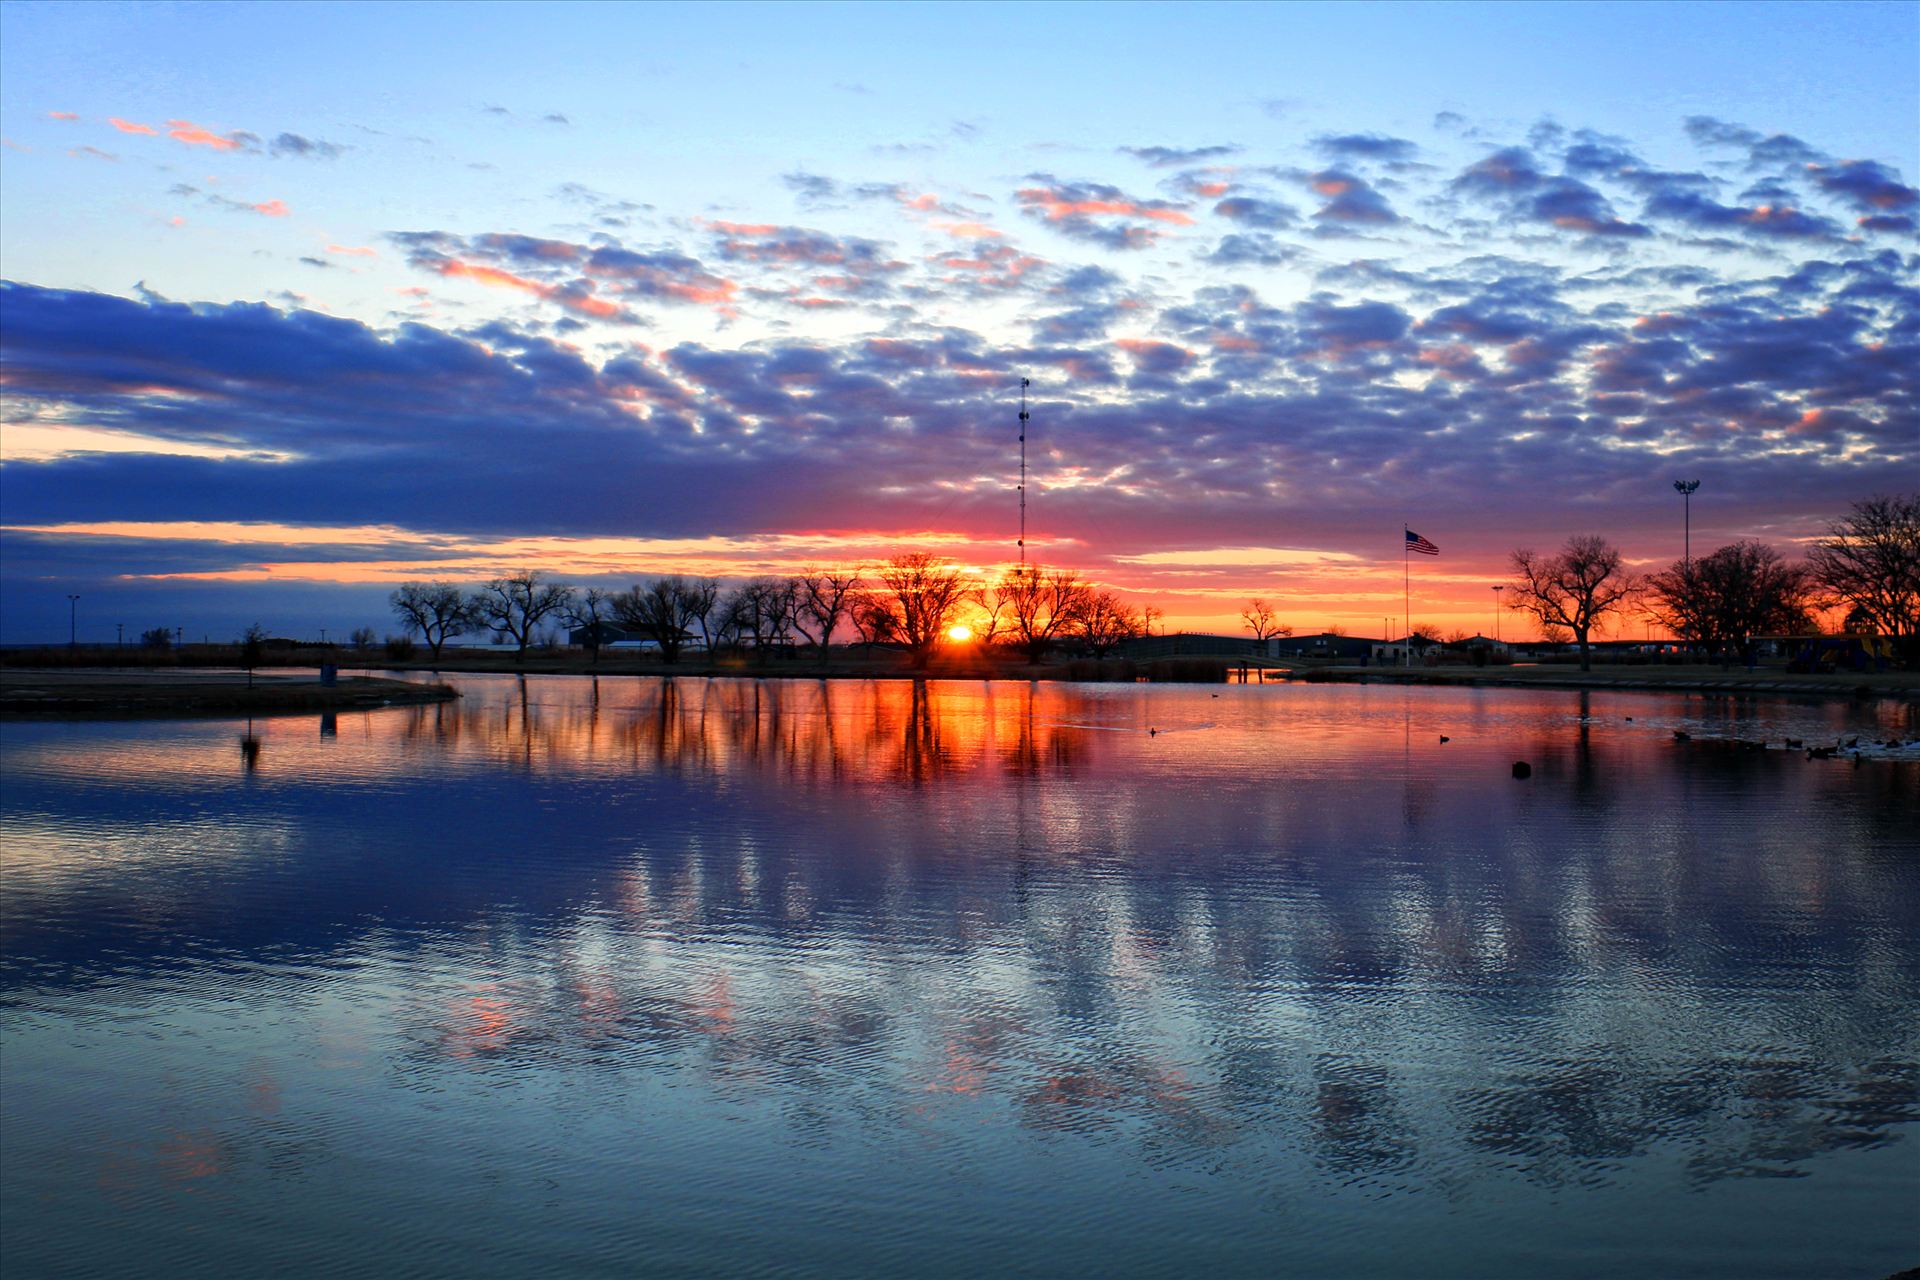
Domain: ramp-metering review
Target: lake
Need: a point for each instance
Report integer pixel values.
(789, 977)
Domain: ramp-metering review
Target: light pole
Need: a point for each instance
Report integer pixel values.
(1686, 488)
(119, 635)
(1496, 612)
(73, 634)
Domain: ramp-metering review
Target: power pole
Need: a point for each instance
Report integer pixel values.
(1023, 473)
(73, 631)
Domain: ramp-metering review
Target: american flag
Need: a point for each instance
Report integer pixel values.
(1419, 544)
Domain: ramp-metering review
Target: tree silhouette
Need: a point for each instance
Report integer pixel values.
(1575, 589)
(437, 610)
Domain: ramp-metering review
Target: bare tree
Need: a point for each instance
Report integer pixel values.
(437, 610)
(1262, 620)
(1103, 622)
(927, 591)
(1575, 589)
(665, 611)
(589, 611)
(362, 638)
(991, 601)
(826, 597)
(1042, 605)
(515, 605)
(871, 617)
(1724, 599)
(1870, 563)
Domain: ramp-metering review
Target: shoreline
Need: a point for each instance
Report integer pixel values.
(118, 694)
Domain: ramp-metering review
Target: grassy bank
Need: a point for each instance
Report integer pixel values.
(1701, 678)
(65, 694)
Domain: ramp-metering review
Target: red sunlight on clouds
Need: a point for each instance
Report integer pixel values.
(194, 136)
(1057, 207)
(129, 126)
(272, 208)
(62, 115)
(353, 250)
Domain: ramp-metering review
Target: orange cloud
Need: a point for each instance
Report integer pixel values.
(578, 299)
(352, 250)
(128, 126)
(272, 208)
(1056, 208)
(744, 228)
(968, 230)
(1332, 186)
(194, 136)
(61, 115)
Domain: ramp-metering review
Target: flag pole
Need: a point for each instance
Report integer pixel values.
(1406, 598)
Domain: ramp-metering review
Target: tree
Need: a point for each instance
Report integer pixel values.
(1726, 598)
(1103, 622)
(1261, 619)
(926, 592)
(664, 610)
(1575, 589)
(826, 597)
(516, 604)
(253, 642)
(362, 638)
(1042, 605)
(436, 610)
(1869, 562)
(589, 612)
(871, 617)
(156, 638)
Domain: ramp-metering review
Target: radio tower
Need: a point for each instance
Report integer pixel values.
(1023, 473)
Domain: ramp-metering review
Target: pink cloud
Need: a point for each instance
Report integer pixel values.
(1057, 208)
(352, 250)
(129, 126)
(194, 136)
(272, 208)
(62, 115)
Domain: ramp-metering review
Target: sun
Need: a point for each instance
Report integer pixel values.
(960, 633)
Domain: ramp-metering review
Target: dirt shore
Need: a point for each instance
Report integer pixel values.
(70, 693)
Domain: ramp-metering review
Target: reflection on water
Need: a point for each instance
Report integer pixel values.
(903, 978)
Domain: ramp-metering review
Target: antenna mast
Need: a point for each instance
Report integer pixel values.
(1023, 472)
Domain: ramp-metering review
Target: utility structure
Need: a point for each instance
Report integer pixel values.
(1023, 473)
(1686, 488)
(1496, 612)
(73, 633)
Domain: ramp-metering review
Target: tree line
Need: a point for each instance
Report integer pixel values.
(1868, 564)
(911, 601)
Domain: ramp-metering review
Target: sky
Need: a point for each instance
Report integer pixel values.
(305, 301)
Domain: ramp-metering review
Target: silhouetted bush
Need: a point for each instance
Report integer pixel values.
(400, 648)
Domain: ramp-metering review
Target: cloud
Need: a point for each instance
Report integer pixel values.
(1350, 200)
(67, 116)
(1868, 185)
(590, 281)
(1085, 211)
(1171, 157)
(1768, 221)
(1255, 248)
(293, 144)
(129, 126)
(193, 135)
(1262, 215)
(1365, 146)
(1763, 151)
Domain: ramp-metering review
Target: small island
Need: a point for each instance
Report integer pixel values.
(112, 692)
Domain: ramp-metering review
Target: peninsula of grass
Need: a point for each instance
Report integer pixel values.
(55, 693)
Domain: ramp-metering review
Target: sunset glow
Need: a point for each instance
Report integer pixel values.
(1260, 334)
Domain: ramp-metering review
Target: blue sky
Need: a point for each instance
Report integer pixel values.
(357, 293)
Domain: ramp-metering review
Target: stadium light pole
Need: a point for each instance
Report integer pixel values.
(1686, 488)
(1496, 612)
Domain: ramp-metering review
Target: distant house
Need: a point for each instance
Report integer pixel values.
(581, 637)
(1390, 653)
(1330, 645)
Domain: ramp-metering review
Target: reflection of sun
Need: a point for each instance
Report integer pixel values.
(960, 633)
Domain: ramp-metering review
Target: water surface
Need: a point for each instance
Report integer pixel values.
(790, 977)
